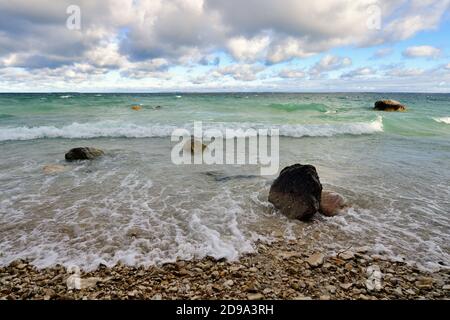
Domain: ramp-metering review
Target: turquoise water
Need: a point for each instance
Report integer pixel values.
(135, 206)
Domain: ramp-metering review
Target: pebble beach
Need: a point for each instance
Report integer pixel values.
(280, 270)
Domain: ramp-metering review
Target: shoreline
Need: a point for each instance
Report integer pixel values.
(280, 270)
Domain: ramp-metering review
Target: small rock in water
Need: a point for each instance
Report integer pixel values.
(331, 203)
(83, 153)
(316, 259)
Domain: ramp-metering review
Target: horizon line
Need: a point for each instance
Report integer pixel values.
(218, 92)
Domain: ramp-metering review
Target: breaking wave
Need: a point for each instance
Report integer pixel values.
(445, 120)
(117, 129)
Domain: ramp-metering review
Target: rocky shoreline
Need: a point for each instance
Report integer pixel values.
(280, 270)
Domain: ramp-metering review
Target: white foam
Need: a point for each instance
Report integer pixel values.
(132, 130)
(136, 222)
(328, 130)
(445, 120)
(86, 130)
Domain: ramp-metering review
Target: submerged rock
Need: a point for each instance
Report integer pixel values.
(195, 146)
(297, 192)
(222, 177)
(83, 153)
(331, 203)
(389, 105)
(53, 168)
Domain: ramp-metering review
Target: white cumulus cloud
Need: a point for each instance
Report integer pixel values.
(422, 52)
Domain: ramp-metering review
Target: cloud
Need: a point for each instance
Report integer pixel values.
(292, 74)
(39, 30)
(359, 72)
(422, 52)
(243, 49)
(146, 38)
(106, 55)
(405, 72)
(287, 49)
(415, 16)
(155, 68)
(209, 60)
(272, 31)
(329, 63)
(383, 52)
(242, 72)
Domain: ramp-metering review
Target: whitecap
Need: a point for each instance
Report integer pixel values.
(119, 129)
(445, 120)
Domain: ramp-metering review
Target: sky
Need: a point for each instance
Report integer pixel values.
(225, 45)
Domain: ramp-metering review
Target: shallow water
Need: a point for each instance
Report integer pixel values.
(135, 206)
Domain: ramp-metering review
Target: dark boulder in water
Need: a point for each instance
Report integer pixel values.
(331, 203)
(83, 153)
(389, 105)
(297, 192)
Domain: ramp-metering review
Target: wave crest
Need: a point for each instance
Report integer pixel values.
(117, 129)
(445, 120)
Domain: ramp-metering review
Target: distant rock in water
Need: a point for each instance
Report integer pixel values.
(331, 203)
(83, 153)
(53, 168)
(389, 105)
(297, 192)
